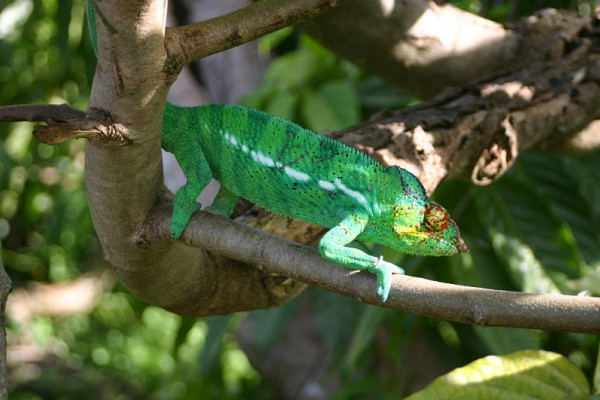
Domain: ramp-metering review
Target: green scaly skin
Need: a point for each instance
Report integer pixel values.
(300, 174)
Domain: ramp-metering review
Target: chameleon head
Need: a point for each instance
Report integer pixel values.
(414, 224)
(425, 228)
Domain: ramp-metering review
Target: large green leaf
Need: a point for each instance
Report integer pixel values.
(342, 96)
(557, 179)
(319, 114)
(523, 375)
(270, 325)
(336, 317)
(369, 321)
(507, 231)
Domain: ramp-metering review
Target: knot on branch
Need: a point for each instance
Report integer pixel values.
(94, 125)
(65, 122)
(498, 156)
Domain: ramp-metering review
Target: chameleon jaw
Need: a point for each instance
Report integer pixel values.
(444, 247)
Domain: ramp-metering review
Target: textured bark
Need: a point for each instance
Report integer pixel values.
(424, 46)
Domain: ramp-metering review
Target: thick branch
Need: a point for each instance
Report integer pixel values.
(422, 46)
(124, 182)
(425, 46)
(480, 130)
(191, 42)
(483, 307)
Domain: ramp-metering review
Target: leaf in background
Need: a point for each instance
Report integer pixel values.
(269, 42)
(526, 236)
(369, 322)
(375, 95)
(217, 327)
(283, 104)
(502, 340)
(270, 325)
(336, 317)
(589, 282)
(344, 101)
(185, 327)
(587, 177)
(293, 70)
(596, 378)
(555, 179)
(320, 113)
(480, 267)
(526, 375)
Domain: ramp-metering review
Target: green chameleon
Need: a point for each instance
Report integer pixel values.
(300, 174)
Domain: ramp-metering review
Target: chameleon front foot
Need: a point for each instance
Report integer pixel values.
(180, 218)
(384, 270)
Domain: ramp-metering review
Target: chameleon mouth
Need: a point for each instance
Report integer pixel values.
(460, 246)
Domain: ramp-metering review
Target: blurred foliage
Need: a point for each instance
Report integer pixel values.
(537, 229)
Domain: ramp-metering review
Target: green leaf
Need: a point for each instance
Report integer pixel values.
(270, 325)
(217, 327)
(320, 114)
(527, 375)
(336, 317)
(557, 180)
(480, 267)
(283, 104)
(537, 248)
(293, 70)
(502, 340)
(342, 97)
(185, 327)
(589, 282)
(369, 322)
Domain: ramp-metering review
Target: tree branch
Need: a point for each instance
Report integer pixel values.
(479, 131)
(477, 306)
(124, 182)
(191, 42)
(48, 113)
(424, 46)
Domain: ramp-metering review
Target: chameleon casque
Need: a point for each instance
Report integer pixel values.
(297, 173)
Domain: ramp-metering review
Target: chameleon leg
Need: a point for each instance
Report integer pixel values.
(223, 203)
(198, 175)
(332, 247)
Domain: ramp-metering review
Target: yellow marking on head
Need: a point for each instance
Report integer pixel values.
(409, 231)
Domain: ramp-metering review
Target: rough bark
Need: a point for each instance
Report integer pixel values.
(425, 46)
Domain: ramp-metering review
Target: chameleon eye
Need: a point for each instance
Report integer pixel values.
(436, 218)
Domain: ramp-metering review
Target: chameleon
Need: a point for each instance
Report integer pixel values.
(301, 174)
(298, 173)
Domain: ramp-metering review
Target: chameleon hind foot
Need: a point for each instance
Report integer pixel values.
(384, 271)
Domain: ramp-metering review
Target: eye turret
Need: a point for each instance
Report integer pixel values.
(436, 218)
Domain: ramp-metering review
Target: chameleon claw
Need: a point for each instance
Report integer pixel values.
(384, 271)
